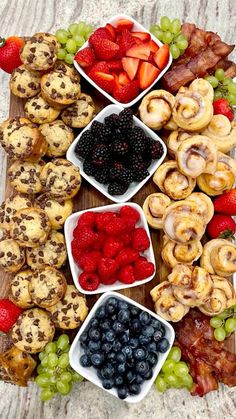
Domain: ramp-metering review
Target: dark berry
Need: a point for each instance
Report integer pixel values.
(97, 128)
(155, 149)
(134, 388)
(99, 374)
(125, 119)
(110, 307)
(108, 383)
(100, 154)
(111, 356)
(127, 351)
(121, 368)
(152, 358)
(120, 358)
(110, 335)
(124, 338)
(122, 392)
(116, 345)
(130, 376)
(144, 318)
(134, 311)
(83, 337)
(138, 141)
(142, 368)
(113, 317)
(116, 188)
(120, 147)
(94, 334)
(101, 175)
(152, 347)
(158, 334)
(135, 326)
(88, 351)
(122, 175)
(122, 305)
(131, 362)
(134, 342)
(148, 374)
(163, 345)
(85, 144)
(112, 301)
(138, 176)
(89, 168)
(105, 324)
(140, 354)
(118, 380)
(139, 379)
(97, 359)
(112, 120)
(94, 346)
(148, 330)
(101, 313)
(106, 347)
(155, 323)
(144, 340)
(108, 370)
(94, 322)
(118, 327)
(124, 316)
(85, 361)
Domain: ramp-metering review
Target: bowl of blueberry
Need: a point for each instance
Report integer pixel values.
(121, 347)
(117, 153)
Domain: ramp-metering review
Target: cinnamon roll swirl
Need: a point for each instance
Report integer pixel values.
(156, 108)
(165, 303)
(221, 297)
(222, 132)
(154, 207)
(219, 257)
(174, 253)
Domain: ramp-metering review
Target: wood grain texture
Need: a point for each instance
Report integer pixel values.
(25, 17)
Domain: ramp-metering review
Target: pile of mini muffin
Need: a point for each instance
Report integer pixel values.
(32, 249)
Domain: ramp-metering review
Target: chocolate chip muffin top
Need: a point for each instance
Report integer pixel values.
(9, 207)
(12, 256)
(24, 83)
(80, 113)
(24, 176)
(38, 54)
(19, 289)
(60, 88)
(57, 210)
(59, 137)
(39, 111)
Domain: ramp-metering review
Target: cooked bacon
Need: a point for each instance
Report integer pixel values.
(188, 29)
(180, 77)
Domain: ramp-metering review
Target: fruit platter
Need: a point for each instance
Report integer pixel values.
(117, 251)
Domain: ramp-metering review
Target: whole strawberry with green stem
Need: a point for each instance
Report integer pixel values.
(226, 203)
(9, 313)
(222, 226)
(10, 53)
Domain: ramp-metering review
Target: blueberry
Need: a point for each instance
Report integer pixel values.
(152, 358)
(85, 361)
(116, 345)
(133, 342)
(105, 324)
(101, 313)
(108, 370)
(135, 326)
(110, 335)
(134, 388)
(94, 334)
(131, 362)
(155, 323)
(130, 376)
(157, 335)
(83, 337)
(124, 338)
(139, 379)
(83, 344)
(111, 356)
(118, 327)
(152, 347)
(142, 367)
(118, 379)
(123, 316)
(163, 345)
(94, 322)
(148, 374)
(122, 392)
(110, 308)
(97, 359)
(106, 347)
(120, 358)
(88, 351)
(140, 354)
(148, 331)
(108, 383)
(112, 301)
(144, 318)
(113, 318)
(144, 340)
(122, 305)
(127, 351)
(94, 346)
(99, 374)
(134, 311)
(121, 368)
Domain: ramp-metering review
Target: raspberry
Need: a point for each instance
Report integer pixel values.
(129, 212)
(126, 256)
(103, 218)
(126, 238)
(86, 219)
(109, 281)
(86, 237)
(126, 274)
(89, 281)
(75, 250)
(101, 237)
(111, 247)
(116, 227)
(107, 267)
(143, 269)
(140, 240)
(89, 261)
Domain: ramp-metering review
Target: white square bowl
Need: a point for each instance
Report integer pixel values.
(90, 373)
(134, 186)
(136, 28)
(69, 227)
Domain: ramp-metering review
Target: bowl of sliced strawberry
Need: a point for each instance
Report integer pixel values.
(123, 60)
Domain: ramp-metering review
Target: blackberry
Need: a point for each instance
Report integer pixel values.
(89, 168)
(122, 175)
(102, 174)
(155, 149)
(96, 128)
(125, 119)
(136, 163)
(85, 144)
(116, 188)
(138, 140)
(139, 175)
(112, 120)
(100, 154)
(120, 147)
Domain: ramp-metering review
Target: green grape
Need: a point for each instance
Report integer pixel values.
(220, 334)
(175, 52)
(82, 28)
(61, 53)
(167, 37)
(52, 360)
(71, 46)
(212, 80)
(234, 308)
(66, 377)
(187, 381)
(49, 371)
(79, 40)
(63, 361)
(51, 347)
(230, 325)
(215, 322)
(89, 31)
(232, 99)
(217, 94)
(165, 23)
(171, 379)
(63, 387)
(40, 369)
(223, 315)
(175, 26)
(44, 361)
(62, 36)
(42, 355)
(227, 81)
(42, 380)
(181, 369)
(180, 37)
(154, 28)
(160, 384)
(175, 354)
(47, 394)
(232, 88)
(182, 43)
(220, 74)
(77, 377)
(168, 365)
(63, 342)
(73, 28)
(69, 58)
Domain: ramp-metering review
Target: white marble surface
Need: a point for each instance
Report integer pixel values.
(24, 17)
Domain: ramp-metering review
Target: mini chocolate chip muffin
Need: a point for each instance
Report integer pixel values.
(30, 227)
(45, 36)
(33, 330)
(24, 176)
(61, 179)
(60, 90)
(52, 252)
(57, 211)
(38, 54)
(39, 111)
(12, 256)
(71, 311)
(59, 137)
(9, 208)
(66, 69)
(23, 83)
(21, 139)
(47, 287)
(19, 289)
(80, 113)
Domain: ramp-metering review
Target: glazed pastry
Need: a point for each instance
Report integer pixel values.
(52, 252)
(44, 36)
(204, 205)
(174, 140)
(80, 113)
(219, 257)
(23, 83)
(24, 176)
(56, 210)
(228, 161)
(22, 140)
(12, 256)
(33, 330)
(66, 69)
(171, 125)
(222, 132)
(197, 155)
(156, 108)
(39, 111)
(154, 207)
(71, 311)
(47, 287)
(38, 54)
(59, 137)
(165, 303)
(182, 224)
(221, 298)
(221, 181)
(16, 366)
(192, 111)
(59, 90)
(30, 227)
(9, 208)
(61, 179)
(19, 289)
(173, 253)
(203, 87)
(172, 182)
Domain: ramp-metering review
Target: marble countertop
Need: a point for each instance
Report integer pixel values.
(25, 17)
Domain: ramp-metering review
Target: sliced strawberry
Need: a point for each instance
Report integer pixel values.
(143, 36)
(147, 73)
(104, 80)
(122, 24)
(151, 59)
(130, 65)
(127, 40)
(161, 56)
(115, 65)
(100, 33)
(101, 66)
(123, 78)
(141, 51)
(85, 57)
(105, 49)
(111, 29)
(153, 46)
(126, 93)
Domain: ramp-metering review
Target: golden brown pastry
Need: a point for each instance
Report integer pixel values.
(172, 182)
(57, 210)
(9, 207)
(12, 256)
(228, 161)
(219, 257)
(165, 303)
(197, 155)
(24, 176)
(171, 125)
(175, 139)
(173, 253)
(215, 184)
(192, 111)
(52, 252)
(47, 287)
(19, 289)
(204, 205)
(59, 137)
(59, 89)
(221, 297)
(16, 366)
(154, 207)
(222, 132)
(156, 108)
(203, 87)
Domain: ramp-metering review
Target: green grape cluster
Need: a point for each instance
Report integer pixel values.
(72, 39)
(224, 324)
(224, 87)
(174, 372)
(54, 372)
(169, 32)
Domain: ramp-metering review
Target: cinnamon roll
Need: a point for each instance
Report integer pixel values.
(154, 207)
(221, 297)
(231, 163)
(192, 111)
(221, 181)
(197, 155)
(203, 87)
(219, 257)
(165, 303)
(172, 182)
(173, 253)
(171, 125)
(222, 132)
(175, 139)
(204, 205)
(156, 108)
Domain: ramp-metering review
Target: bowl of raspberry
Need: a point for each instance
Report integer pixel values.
(109, 248)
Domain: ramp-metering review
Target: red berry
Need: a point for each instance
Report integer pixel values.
(109, 281)
(86, 237)
(126, 238)
(143, 269)
(128, 211)
(222, 226)
(222, 107)
(10, 53)
(89, 281)
(126, 256)
(89, 261)
(75, 250)
(126, 274)
(116, 227)
(103, 218)
(87, 219)
(226, 203)
(112, 246)
(100, 33)
(107, 267)
(9, 313)
(101, 237)
(85, 57)
(140, 240)
(105, 49)
(126, 93)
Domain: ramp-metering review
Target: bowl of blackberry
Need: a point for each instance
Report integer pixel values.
(117, 153)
